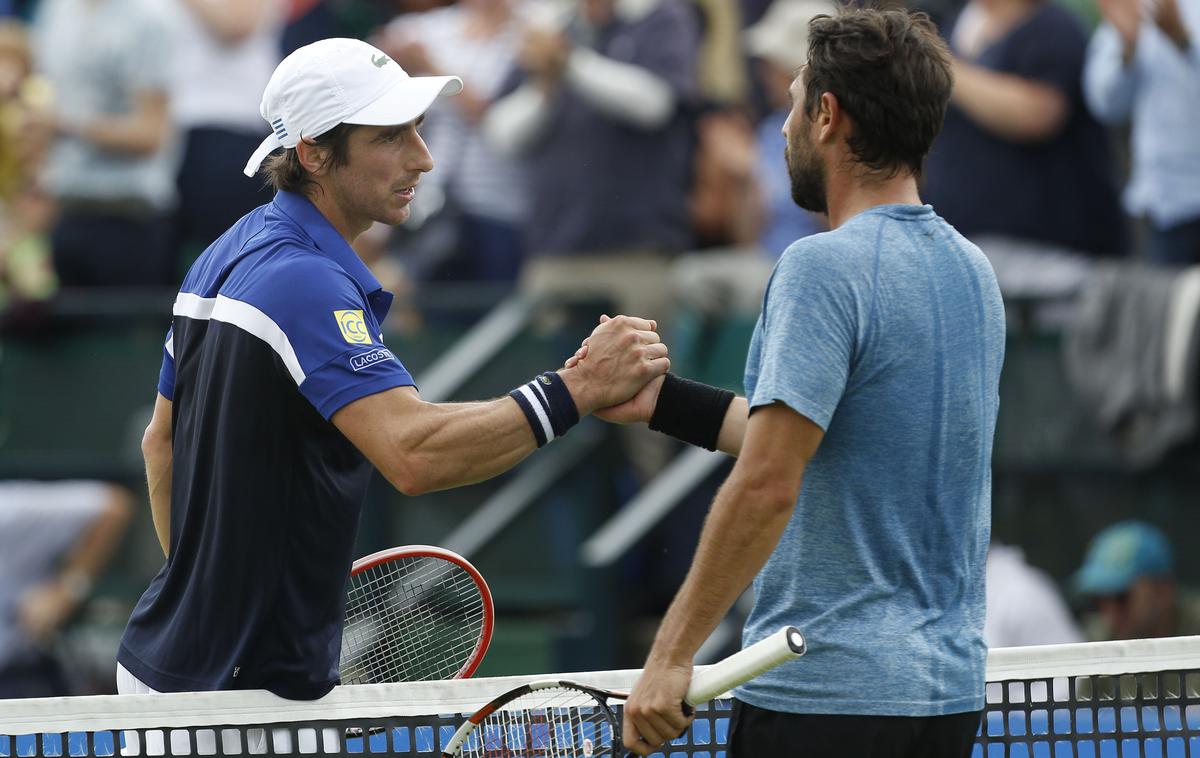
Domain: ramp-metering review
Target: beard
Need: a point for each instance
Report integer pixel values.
(807, 173)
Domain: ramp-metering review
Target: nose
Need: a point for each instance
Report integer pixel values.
(420, 158)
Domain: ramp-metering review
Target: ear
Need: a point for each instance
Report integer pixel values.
(313, 157)
(830, 117)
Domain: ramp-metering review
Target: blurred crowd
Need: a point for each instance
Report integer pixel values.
(596, 142)
(632, 150)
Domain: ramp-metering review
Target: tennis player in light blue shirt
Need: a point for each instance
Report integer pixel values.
(860, 501)
(1145, 68)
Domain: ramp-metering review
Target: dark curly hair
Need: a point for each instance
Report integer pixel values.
(890, 71)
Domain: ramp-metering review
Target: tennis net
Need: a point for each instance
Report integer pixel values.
(1099, 700)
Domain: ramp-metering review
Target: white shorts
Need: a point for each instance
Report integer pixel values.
(256, 739)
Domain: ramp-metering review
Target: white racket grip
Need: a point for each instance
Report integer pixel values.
(782, 646)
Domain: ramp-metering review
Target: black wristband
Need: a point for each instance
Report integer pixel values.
(548, 406)
(691, 411)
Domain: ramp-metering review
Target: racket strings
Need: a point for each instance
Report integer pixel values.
(550, 723)
(415, 618)
(414, 613)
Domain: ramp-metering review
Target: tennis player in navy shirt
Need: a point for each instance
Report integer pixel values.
(277, 394)
(860, 501)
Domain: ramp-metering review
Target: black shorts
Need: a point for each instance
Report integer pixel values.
(757, 733)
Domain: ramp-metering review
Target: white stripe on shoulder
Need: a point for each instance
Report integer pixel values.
(251, 319)
(170, 344)
(194, 306)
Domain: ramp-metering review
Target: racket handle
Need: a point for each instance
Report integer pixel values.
(739, 668)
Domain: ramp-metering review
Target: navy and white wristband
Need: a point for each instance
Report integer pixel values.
(548, 406)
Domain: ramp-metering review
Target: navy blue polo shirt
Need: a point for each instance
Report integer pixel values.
(276, 327)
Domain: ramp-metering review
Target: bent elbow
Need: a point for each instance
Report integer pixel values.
(1044, 122)
(770, 498)
(776, 502)
(657, 110)
(1043, 130)
(411, 487)
(408, 478)
(150, 144)
(155, 443)
(769, 491)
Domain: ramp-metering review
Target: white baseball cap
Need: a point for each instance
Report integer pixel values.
(341, 81)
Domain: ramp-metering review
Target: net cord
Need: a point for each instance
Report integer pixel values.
(369, 701)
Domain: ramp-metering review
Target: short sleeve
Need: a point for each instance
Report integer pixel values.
(166, 374)
(807, 334)
(331, 341)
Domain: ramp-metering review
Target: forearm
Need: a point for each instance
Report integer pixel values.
(1109, 81)
(625, 92)
(1008, 106)
(92, 552)
(454, 444)
(159, 465)
(742, 529)
(132, 134)
(733, 429)
(515, 122)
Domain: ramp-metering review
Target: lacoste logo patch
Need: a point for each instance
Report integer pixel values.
(380, 60)
(363, 360)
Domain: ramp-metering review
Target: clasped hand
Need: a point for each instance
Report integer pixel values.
(616, 367)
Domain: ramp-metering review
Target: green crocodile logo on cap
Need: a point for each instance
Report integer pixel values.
(380, 60)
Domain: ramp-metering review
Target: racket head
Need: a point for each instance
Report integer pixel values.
(413, 613)
(549, 719)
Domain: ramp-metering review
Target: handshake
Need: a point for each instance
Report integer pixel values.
(618, 371)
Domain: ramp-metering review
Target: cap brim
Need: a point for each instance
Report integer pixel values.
(1094, 580)
(406, 101)
(265, 148)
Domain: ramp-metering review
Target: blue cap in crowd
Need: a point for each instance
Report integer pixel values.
(1121, 554)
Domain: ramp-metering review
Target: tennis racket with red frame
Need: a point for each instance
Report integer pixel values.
(562, 719)
(415, 613)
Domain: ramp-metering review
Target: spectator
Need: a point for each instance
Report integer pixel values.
(599, 114)
(307, 22)
(753, 10)
(484, 190)
(16, 8)
(1024, 606)
(224, 53)
(26, 273)
(721, 78)
(599, 117)
(1128, 576)
(742, 196)
(112, 164)
(1148, 70)
(1017, 117)
(779, 44)
(56, 539)
(21, 95)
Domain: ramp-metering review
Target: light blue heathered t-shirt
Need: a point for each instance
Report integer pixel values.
(888, 333)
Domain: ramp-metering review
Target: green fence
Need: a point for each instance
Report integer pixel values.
(76, 393)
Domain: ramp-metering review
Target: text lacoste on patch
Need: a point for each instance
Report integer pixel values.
(362, 360)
